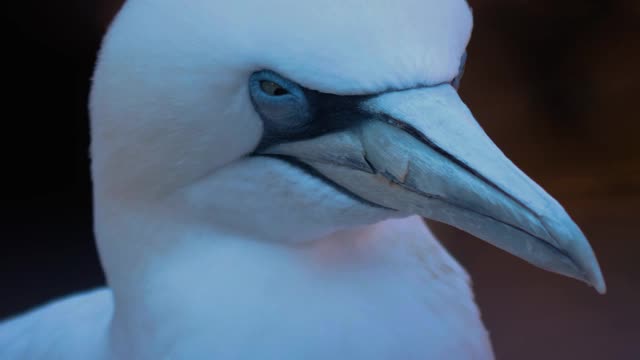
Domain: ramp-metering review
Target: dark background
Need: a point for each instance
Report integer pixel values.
(554, 83)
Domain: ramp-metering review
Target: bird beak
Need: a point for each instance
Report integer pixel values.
(420, 151)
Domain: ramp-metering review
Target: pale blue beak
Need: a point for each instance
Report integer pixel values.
(422, 152)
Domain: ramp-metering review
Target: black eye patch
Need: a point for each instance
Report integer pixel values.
(291, 112)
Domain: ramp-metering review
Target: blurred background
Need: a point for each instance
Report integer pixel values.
(554, 83)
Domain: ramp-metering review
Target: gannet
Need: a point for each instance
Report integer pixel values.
(259, 168)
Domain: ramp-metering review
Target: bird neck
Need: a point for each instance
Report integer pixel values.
(172, 279)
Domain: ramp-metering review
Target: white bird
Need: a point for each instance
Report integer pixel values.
(255, 168)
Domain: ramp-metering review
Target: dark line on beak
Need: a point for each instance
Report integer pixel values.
(311, 171)
(459, 206)
(422, 138)
(471, 210)
(419, 136)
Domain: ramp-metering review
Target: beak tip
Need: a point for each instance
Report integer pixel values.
(576, 246)
(597, 281)
(593, 277)
(593, 272)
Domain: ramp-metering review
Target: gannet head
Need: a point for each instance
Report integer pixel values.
(285, 120)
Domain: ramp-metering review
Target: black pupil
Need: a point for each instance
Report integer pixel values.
(272, 88)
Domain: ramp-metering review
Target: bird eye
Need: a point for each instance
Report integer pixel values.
(281, 103)
(272, 89)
